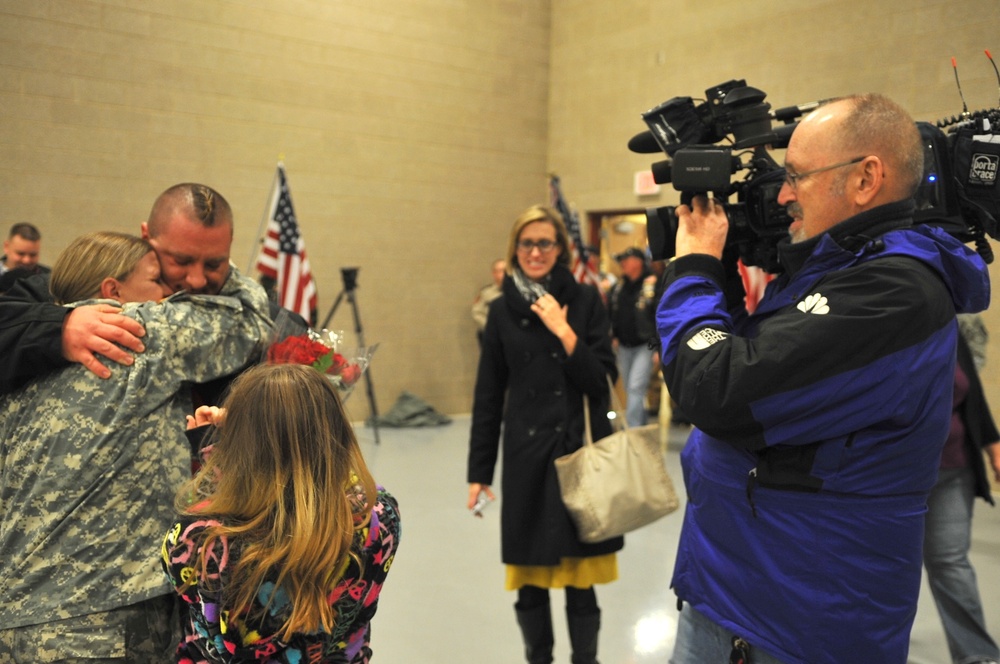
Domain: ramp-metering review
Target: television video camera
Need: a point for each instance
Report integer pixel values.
(688, 133)
(959, 191)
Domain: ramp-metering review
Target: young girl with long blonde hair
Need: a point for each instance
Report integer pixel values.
(284, 540)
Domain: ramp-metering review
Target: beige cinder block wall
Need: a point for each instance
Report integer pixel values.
(413, 132)
(611, 61)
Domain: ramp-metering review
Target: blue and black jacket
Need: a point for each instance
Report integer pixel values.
(820, 420)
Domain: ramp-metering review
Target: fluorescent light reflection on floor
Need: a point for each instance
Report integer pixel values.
(655, 633)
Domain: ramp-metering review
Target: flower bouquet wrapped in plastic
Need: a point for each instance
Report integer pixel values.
(323, 350)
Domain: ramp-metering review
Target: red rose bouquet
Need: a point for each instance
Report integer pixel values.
(322, 351)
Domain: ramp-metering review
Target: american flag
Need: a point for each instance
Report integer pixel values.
(755, 280)
(581, 262)
(283, 255)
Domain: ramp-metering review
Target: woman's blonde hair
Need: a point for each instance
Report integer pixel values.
(287, 480)
(529, 216)
(90, 259)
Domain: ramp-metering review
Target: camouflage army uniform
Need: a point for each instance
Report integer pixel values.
(89, 467)
(974, 331)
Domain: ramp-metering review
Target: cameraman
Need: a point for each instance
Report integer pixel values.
(821, 417)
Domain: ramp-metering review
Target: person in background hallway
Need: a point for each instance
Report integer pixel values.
(820, 418)
(89, 467)
(632, 306)
(21, 250)
(284, 540)
(948, 534)
(545, 345)
(488, 293)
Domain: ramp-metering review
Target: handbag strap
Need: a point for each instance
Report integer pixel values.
(587, 437)
(616, 405)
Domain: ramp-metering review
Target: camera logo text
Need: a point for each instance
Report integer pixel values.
(984, 169)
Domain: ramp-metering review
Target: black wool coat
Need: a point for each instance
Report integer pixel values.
(531, 390)
(980, 429)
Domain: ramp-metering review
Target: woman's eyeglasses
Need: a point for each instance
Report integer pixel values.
(543, 246)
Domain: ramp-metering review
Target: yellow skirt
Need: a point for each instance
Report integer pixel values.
(574, 572)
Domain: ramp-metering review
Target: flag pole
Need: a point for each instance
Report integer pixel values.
(264, 218)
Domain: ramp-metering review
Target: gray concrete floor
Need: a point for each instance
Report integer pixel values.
(444, 600)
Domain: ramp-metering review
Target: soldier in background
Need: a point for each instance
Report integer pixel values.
(488, 293)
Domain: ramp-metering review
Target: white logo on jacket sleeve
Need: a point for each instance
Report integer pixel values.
(706, 338)
(814, 304)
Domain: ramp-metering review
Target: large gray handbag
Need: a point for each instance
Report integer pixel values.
(617, 484)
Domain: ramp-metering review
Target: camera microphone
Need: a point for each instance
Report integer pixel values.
(789, 113)
(644, 143)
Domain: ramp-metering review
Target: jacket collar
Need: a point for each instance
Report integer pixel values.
(851, 235)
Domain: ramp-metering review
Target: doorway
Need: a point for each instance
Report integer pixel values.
(616, 231)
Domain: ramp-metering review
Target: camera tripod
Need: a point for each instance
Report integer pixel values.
(350, 278)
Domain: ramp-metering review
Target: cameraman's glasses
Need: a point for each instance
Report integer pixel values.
(792, 179)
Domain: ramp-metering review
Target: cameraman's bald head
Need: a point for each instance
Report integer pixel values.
(874, 124)
(848, 156)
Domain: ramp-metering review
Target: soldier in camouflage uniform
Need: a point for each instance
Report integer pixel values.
(974, 332)
(88, 473)
(191, 229)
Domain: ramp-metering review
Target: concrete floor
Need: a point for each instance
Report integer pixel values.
(444, 601)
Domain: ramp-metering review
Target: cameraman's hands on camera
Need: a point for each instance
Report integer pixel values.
(701, 227)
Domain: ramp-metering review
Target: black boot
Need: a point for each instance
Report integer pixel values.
(536, 629)
(583, 630)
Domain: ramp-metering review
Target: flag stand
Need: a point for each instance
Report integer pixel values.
(350, 278)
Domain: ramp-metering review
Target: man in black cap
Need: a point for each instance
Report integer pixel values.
(632, 302)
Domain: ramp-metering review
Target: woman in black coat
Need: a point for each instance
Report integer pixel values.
(545, 345)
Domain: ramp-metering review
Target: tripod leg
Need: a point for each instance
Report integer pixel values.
(371, 404)
(333, 309)
(369, 388)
